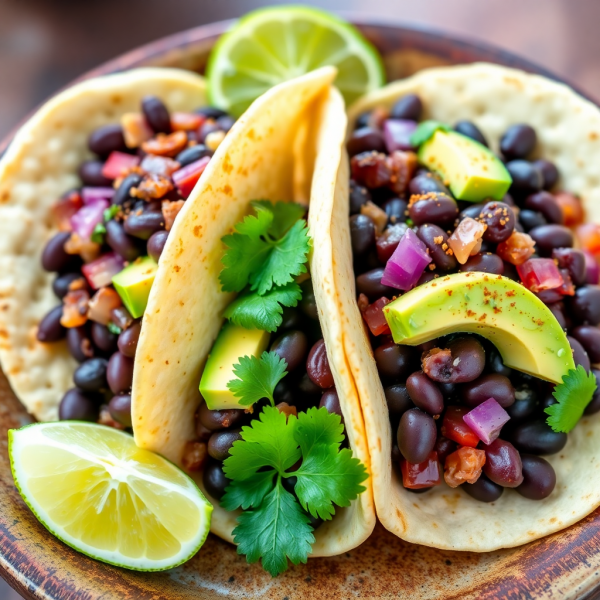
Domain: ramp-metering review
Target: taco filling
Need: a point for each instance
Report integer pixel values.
(112, 230)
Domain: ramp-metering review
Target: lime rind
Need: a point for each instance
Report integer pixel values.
(189, 549)
(298, 41)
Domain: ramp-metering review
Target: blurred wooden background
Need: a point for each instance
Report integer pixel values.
(46, 43)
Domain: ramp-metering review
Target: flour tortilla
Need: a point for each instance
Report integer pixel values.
(40, 165)
(568, 129)
(261, 157)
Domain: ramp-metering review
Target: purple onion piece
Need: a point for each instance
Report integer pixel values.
(406, 265)
(396, 134)
(91, 194)
(87, 217)
(486, 420)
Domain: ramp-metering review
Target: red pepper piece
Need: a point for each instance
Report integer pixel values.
(375, 318)
(454, 428)
(422, 475)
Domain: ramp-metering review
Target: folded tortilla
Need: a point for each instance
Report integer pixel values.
(39, 166)
(270, 153)
(568, 129)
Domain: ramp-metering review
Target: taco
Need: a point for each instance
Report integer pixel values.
(90, 184)
(464, 284)
(192, 396)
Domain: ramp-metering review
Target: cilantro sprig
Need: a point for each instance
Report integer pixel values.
(100, 229)
(264, 255)
(573, 395)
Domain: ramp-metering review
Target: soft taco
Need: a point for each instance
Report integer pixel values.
(464, 285)
(89, 188)
(243, 230)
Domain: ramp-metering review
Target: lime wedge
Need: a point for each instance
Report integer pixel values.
(272, 45)
(94, 489)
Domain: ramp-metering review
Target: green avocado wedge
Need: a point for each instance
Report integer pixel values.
(519, 324)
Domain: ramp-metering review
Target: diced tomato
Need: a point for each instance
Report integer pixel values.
(101, 271)
(538, 274)
(65, 208)
(182, 121)
(571, 207)
(185, 179)
(567, 288)
(422, 475)
(118, 164)
(454, 428)
(589, 238)
(75, 308)
(518, 248)
(375, 318)
(102, 305)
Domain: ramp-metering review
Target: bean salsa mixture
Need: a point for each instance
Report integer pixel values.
(454, 406)
(112, 232)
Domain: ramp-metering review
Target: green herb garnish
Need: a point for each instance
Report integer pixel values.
(113, 328)
(425, 130)
(111, 212)
(98, 233)
(572, 395)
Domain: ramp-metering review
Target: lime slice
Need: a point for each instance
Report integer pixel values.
(272, 45)
(94, 489)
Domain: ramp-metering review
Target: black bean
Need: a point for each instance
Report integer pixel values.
(585, 304)
(526, 403)
(398, 400)
(292, 346)
(225, 123)
(530, 219)
(366, 139)
(549, 297)
(107, 139)
(90, 173)
(500, 221)
(192, 154)
(471, 131)
(558, 310)
(444, 447)
(370, 285)
(549, 237)
(119, 373)
(122, 194)
(156, 114)
(496, 364)
(123, 244)
(489, 386)
(503, 464)
(289, 483)
(143, 225)
(220, 419)
(539, 478)
(416, 435)
(331, 401)
(549, 172)
(572, 260)
(464, 362)
(425, 183)
(60, 286)
(362, 120)
(206, 128)
(435, 238)
(484, 489)
(156, 244)
(485, 262)
(103, 338)
(589, 337)
(393, 361)
(472, 211)
(536, 437)
(79, 343)
(128, 339)
(54, 256)
(119, 408)
(308, 304)
(214, 479)
(49, 328)
(424, 393)
(594, 405)
(526, 178)
(359, 196)
(283, 392)
(211, 112)
(433, 208)
(220, 443)
(518, 142)
(90, 375)
(317, 366)
(580, 356)
(395, 209)
(290, 319)
(408, 107)
(76, 405)
(362, 234)
(546, 204)
(308, 387)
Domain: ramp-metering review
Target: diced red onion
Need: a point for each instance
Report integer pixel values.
(118, 164)
(100, 272)
(486, 420)
(592, 270)
(397, 132)
(90, 194)
(185, 179)
(407, 264)
(539, 274)
(87, 217)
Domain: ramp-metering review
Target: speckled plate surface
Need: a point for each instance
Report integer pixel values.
(564, 565)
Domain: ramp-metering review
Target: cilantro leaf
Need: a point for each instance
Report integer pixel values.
(327, 476)
(285, 214)
(263, 312)
(258, 226)
(285, 261)
(573, 395)
(318, 426)
(425, 130)
(244, 256)
(277, 530)
(268, 442)
(113, 328)
(111, 212)
(98, 233)
(249, 492)
(257, 377)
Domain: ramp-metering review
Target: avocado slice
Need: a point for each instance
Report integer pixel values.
(471, 170)
(133, 284)
(232, 343)
(519, 324)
